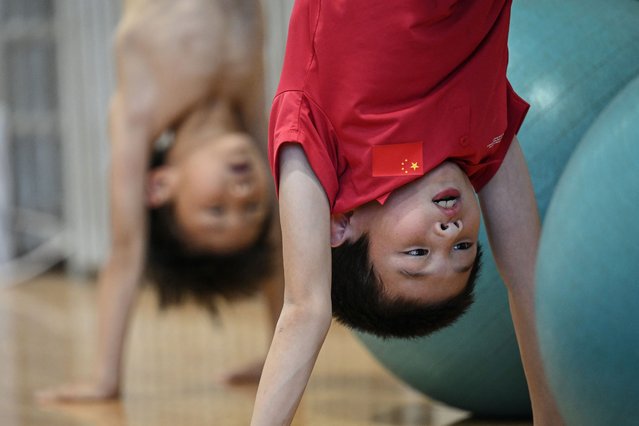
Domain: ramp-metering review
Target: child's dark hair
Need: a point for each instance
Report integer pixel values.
(359, 300)
(180, 273)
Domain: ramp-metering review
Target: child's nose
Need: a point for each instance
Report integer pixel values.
(448, 229)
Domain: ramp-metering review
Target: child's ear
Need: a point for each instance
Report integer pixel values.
(159, 186)
(341, 230)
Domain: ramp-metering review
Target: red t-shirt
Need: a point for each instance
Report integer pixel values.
(380, 92)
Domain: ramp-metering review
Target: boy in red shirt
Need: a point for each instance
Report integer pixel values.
(388, 119)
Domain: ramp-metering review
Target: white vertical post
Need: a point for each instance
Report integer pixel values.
(84, 30)
(6, 183)
(277, 13)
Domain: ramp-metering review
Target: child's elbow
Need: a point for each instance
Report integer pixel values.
(315, 313)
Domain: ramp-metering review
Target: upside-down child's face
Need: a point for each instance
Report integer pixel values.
(221, 195)
(423, 240)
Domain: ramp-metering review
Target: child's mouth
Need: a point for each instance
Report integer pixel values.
(446, 203)
(447, 199)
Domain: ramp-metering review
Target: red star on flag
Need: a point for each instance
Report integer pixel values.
(401, 159)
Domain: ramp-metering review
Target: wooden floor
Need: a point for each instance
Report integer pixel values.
(172, 361)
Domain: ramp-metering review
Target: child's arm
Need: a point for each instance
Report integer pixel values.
(512, 221)
(306, 314)
(120, 274)
(273, 293)
(134, 121)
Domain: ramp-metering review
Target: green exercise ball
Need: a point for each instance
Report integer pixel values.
(588, 273)
(568, 59)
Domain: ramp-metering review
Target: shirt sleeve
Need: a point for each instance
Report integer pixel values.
(517, 108)
(296, 119)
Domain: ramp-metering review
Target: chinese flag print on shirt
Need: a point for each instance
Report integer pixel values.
(401, 159)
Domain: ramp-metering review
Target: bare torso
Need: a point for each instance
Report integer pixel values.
(177, 56)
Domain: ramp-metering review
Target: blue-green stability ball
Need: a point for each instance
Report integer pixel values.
(568, 59)
(588, 274)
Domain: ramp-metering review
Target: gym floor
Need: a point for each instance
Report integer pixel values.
(172, 361)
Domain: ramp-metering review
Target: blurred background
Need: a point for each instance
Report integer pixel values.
(570, 59)
(56, 76)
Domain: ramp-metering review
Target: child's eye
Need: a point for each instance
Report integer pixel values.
(462, 246)
(417, 252)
